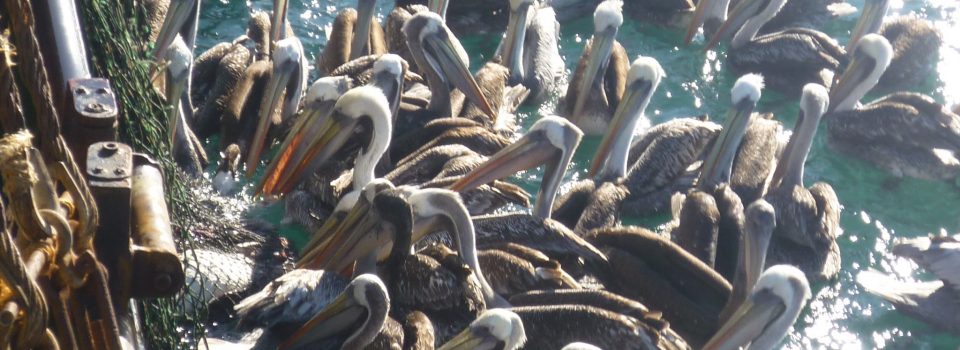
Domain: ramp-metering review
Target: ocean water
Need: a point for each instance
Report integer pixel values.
(876, 210)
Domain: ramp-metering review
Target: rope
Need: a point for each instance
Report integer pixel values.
(12, 113)
(13, 271)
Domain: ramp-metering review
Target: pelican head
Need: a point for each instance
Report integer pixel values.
(767, 314)
(388, 76)
(368, 230)
(493, 329)
(718, 165)
(710, 14)
(870, 59)
(871, 19)
(364, 301)
(813, 104)
(746, 19)
(607, 19)
(324, 138)
(759, 224)
(444, 61)
(515, 36)
(551, 141)
(178, 72)
(432, 203)
(177, 15)
(642, 80)
(286, 83)
(580, 346)
(355, 201)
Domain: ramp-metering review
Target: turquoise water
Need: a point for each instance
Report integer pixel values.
(875, 212)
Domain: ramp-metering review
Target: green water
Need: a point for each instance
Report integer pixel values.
(841, 315)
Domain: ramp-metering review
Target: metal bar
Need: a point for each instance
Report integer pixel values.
(60, 35)
(155, 259)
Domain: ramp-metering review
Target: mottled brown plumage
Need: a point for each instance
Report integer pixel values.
(916, 47)
(756, 158)
(337, 50)
(552, 327)
(603, 100)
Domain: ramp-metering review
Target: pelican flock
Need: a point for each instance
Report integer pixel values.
(401, 164)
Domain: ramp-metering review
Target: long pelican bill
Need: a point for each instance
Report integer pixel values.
(323, 237)
(515, 36)
(177, 14)
(552, 141)
(466, 340)
(748, 322)
(699, 17)
(342, 313)
(744, 11)
(871, 19)
(178, 73)
(361, 31)
(439, 7)
(643, 79)
(716, 168)
(286, 66)
(446, 56)
(601, 48)
(278, 28)
(857, 72)
(356, 238)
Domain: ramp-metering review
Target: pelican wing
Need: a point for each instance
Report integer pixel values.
(294, 297)
(902, 118)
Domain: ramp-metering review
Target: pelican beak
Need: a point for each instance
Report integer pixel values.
(740, 14)
(598, 59)
(532, 150)
(871, 19)
(699, 17)
(466, 340)
(448, 58)
(322, 240)
(361, 35)
(286, 66)
(337, 317)
(557, 274)
(178, 73)
(439, 7)
(621, 128)
(392, 86)
(513, 42)
(356, 238)
(279, 25)
(177, 14)
(748, 322)
(717, 167)
(859, 69)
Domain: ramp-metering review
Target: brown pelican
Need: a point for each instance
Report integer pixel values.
(710, 14)
(787, 59)
(906, 134)
(363, 304)
(553, 326)
(493, 329)
(551, 141)
(916, 43)
(225, 180)
(654, 271)
(933, 302)
(530, 50)
(291, 299)
(595, 203)
(510, 274)
(760, 221)
(598, 82)
(767, 314)
(355, 33)
(302, 153)
(216, 75)
(808, 219)
(605, 300)
(187, 149)
(444, 63)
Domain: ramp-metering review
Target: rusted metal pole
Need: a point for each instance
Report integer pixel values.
(155, 259)
(61, 40)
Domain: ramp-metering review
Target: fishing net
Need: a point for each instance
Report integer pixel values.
(116, 33)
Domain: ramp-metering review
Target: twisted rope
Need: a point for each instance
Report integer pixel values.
(11, 119)
(15, 273)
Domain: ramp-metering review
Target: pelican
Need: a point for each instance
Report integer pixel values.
(787, 59)
(186, 148)
(364, 302)
(599, 80)
(767, 314)
(225, 180)
(355, 33)
(530, 50)
(510, 274)
(553, 326)
(760, 221)
(595, 203)
(933, 302)
(905, 134)
(916, 44)
(808, 219)
(291, 299)
(444, 64)
(493, 329)
(551, 140)
(216, 75)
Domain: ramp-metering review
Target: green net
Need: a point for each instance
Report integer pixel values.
(116, 32)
